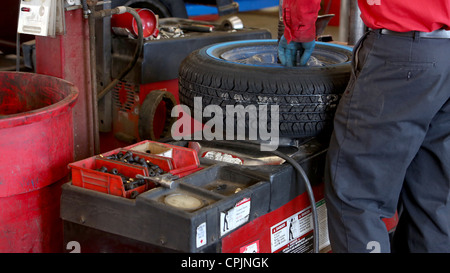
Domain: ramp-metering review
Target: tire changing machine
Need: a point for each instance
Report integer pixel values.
(213, 197)
(206, 197)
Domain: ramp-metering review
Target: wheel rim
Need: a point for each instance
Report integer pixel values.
(264, 53)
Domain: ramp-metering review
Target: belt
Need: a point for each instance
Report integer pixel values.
(437, 34)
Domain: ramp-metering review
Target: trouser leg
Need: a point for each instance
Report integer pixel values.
(425, 219)
(398, 86)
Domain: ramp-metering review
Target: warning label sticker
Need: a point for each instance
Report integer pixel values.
(295, 233)
(250, 248)
(200, 235)
(234, 217)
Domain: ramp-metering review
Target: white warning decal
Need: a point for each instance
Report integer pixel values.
(234, 217)
(294, 234)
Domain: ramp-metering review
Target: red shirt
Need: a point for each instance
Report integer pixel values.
(299, 17)
(406, 15)
(395, 15)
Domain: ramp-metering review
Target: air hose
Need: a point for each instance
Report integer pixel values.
(309, 190)
(137, 51)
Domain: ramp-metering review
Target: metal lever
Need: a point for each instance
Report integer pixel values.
(196, 27)
(165, 180)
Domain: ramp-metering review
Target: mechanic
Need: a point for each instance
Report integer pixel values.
(390, 149)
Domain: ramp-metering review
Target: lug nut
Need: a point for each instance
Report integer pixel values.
(103, 169)
(151, 173)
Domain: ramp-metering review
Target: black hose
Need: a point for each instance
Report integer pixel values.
(137, 54)
(309, 190)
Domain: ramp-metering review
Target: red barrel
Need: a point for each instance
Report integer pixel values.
(36, 141)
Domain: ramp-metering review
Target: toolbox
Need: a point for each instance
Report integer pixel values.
(216, 207)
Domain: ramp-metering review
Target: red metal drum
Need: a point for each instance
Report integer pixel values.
(36, 140)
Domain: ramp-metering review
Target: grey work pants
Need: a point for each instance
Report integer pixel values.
(390, 146)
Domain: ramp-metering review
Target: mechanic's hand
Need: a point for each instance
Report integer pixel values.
(287, 53)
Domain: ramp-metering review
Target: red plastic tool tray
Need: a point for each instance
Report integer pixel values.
(176, 160)
(184, 160)
(85, 175)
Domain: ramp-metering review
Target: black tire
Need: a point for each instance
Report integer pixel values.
(163, 8)
(148, 111)
(154, 5)
(307, 96)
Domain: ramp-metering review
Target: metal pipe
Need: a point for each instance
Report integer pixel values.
(166, 180)
(280, 20)
(357, 28)
(93, 64)
(344, 20)
(18, 51)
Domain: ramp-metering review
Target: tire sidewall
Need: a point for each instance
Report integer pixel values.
(221, 82)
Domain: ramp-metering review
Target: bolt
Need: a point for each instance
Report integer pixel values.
(127, 156)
